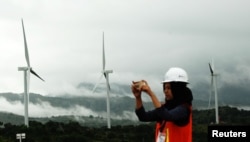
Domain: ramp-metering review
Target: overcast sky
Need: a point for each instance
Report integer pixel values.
(143, 38)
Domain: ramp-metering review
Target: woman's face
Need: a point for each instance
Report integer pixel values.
(168, 91)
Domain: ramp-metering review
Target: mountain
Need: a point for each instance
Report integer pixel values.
(121, 102)
(89, 111)
(229, 94)
(116, 88)
(96, 104)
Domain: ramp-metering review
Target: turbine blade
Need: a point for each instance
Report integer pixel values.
(105, 75)
(34, 73)
(93, 91)
(103, 53)
(25, 46)
(211, 69)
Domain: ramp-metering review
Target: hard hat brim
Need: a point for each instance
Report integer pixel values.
(168, 81)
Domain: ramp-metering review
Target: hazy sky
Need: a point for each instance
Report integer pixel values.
(143, 38)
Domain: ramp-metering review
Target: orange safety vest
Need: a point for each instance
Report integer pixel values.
(175, 133)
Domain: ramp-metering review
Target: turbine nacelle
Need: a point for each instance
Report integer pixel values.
(107, 71)
(211, 68)
(24, 68)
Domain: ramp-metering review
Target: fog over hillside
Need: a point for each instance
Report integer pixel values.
(121, 102)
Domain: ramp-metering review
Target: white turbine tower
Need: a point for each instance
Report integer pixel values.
(105, 73)
(214, 86)
(27, 70)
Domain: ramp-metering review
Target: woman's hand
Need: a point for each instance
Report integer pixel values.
(139, 86)
(135, 90)
(145, 87)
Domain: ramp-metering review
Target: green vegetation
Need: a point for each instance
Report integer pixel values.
(72, 131)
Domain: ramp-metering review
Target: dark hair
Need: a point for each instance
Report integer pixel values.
(181, 95)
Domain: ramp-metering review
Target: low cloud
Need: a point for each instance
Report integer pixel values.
(44, 109)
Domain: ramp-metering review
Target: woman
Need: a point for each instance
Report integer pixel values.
(174, 117)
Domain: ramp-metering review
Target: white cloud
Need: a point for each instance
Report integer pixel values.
(142, 40)
(44, 109)
(15, 107)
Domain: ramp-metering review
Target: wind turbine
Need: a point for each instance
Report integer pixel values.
(213, 84)
(105, 73)
(27, 70)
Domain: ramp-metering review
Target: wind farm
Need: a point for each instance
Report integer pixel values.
(64, 44)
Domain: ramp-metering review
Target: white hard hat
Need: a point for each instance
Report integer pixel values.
(175, 74)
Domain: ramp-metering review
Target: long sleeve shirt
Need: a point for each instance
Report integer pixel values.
(179, 114)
